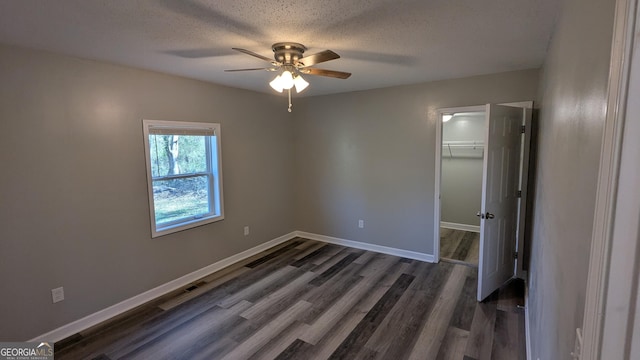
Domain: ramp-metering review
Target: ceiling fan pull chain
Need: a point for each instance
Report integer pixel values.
(289, 109)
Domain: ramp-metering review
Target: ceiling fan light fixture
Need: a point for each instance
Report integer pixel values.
(289, 58)
(276, 84)
(300, 83)
(286, 79)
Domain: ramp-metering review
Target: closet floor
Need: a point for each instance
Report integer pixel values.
(459, 246)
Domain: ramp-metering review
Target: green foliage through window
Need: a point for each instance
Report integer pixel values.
(183, 165)
(191, 154)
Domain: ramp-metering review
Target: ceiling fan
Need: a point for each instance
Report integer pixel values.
(288, 57)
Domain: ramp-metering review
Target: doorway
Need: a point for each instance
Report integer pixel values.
(501, 144)
(461, 185)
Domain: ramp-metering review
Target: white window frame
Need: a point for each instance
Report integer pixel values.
(214, 172)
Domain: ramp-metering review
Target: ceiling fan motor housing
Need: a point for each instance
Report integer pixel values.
(288, 53)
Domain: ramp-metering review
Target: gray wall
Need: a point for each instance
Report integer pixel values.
(74, 208)
(74, 202)
(370, 155)
(461, 184)
(573, 85)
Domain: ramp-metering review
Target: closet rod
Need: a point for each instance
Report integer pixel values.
(463, 144)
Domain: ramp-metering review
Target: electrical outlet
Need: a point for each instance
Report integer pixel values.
(246, 230)
(361, 224)
(57, 294)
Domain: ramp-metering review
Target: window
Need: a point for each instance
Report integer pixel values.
(184, 174)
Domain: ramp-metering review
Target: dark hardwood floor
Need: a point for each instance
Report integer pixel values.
(309, 300)
(459, 246)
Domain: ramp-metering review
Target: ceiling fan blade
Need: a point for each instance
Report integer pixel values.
(323, 72)
(267, 69)
(318, 58)
(248, 52)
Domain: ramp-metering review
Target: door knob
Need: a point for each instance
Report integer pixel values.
(481, 216)
(489, 215)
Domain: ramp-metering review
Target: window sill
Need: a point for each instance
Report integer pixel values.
(161, 231)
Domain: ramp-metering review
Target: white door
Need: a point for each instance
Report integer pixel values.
(499, 209)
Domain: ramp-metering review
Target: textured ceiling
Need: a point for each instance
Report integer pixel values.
(382, 42)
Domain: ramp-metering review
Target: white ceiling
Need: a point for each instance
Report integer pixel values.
(382, 42)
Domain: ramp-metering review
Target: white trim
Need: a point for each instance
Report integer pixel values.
(623, 269)
(366, 246)
(606, 193)
(436, 191)
(521, 104)
(527, 321)
(525, 164)
(525, 147)
(128, 304)
(463, 227)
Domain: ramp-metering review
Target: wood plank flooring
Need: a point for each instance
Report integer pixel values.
(309, 300)
(459, 246)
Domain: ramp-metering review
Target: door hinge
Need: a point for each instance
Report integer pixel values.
(523, 129)
(515, 254)
(519, 194)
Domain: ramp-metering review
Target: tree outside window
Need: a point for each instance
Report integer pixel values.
(183, 167)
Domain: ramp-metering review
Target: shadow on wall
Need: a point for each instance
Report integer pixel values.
(531, 190)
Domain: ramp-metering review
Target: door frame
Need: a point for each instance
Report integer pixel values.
(527, 107)
(527, 113)
(611, 320)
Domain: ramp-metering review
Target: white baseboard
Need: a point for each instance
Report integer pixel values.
(133, 302)
(126, 305)
(527, 323)
(463, 227)
(371, 247)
